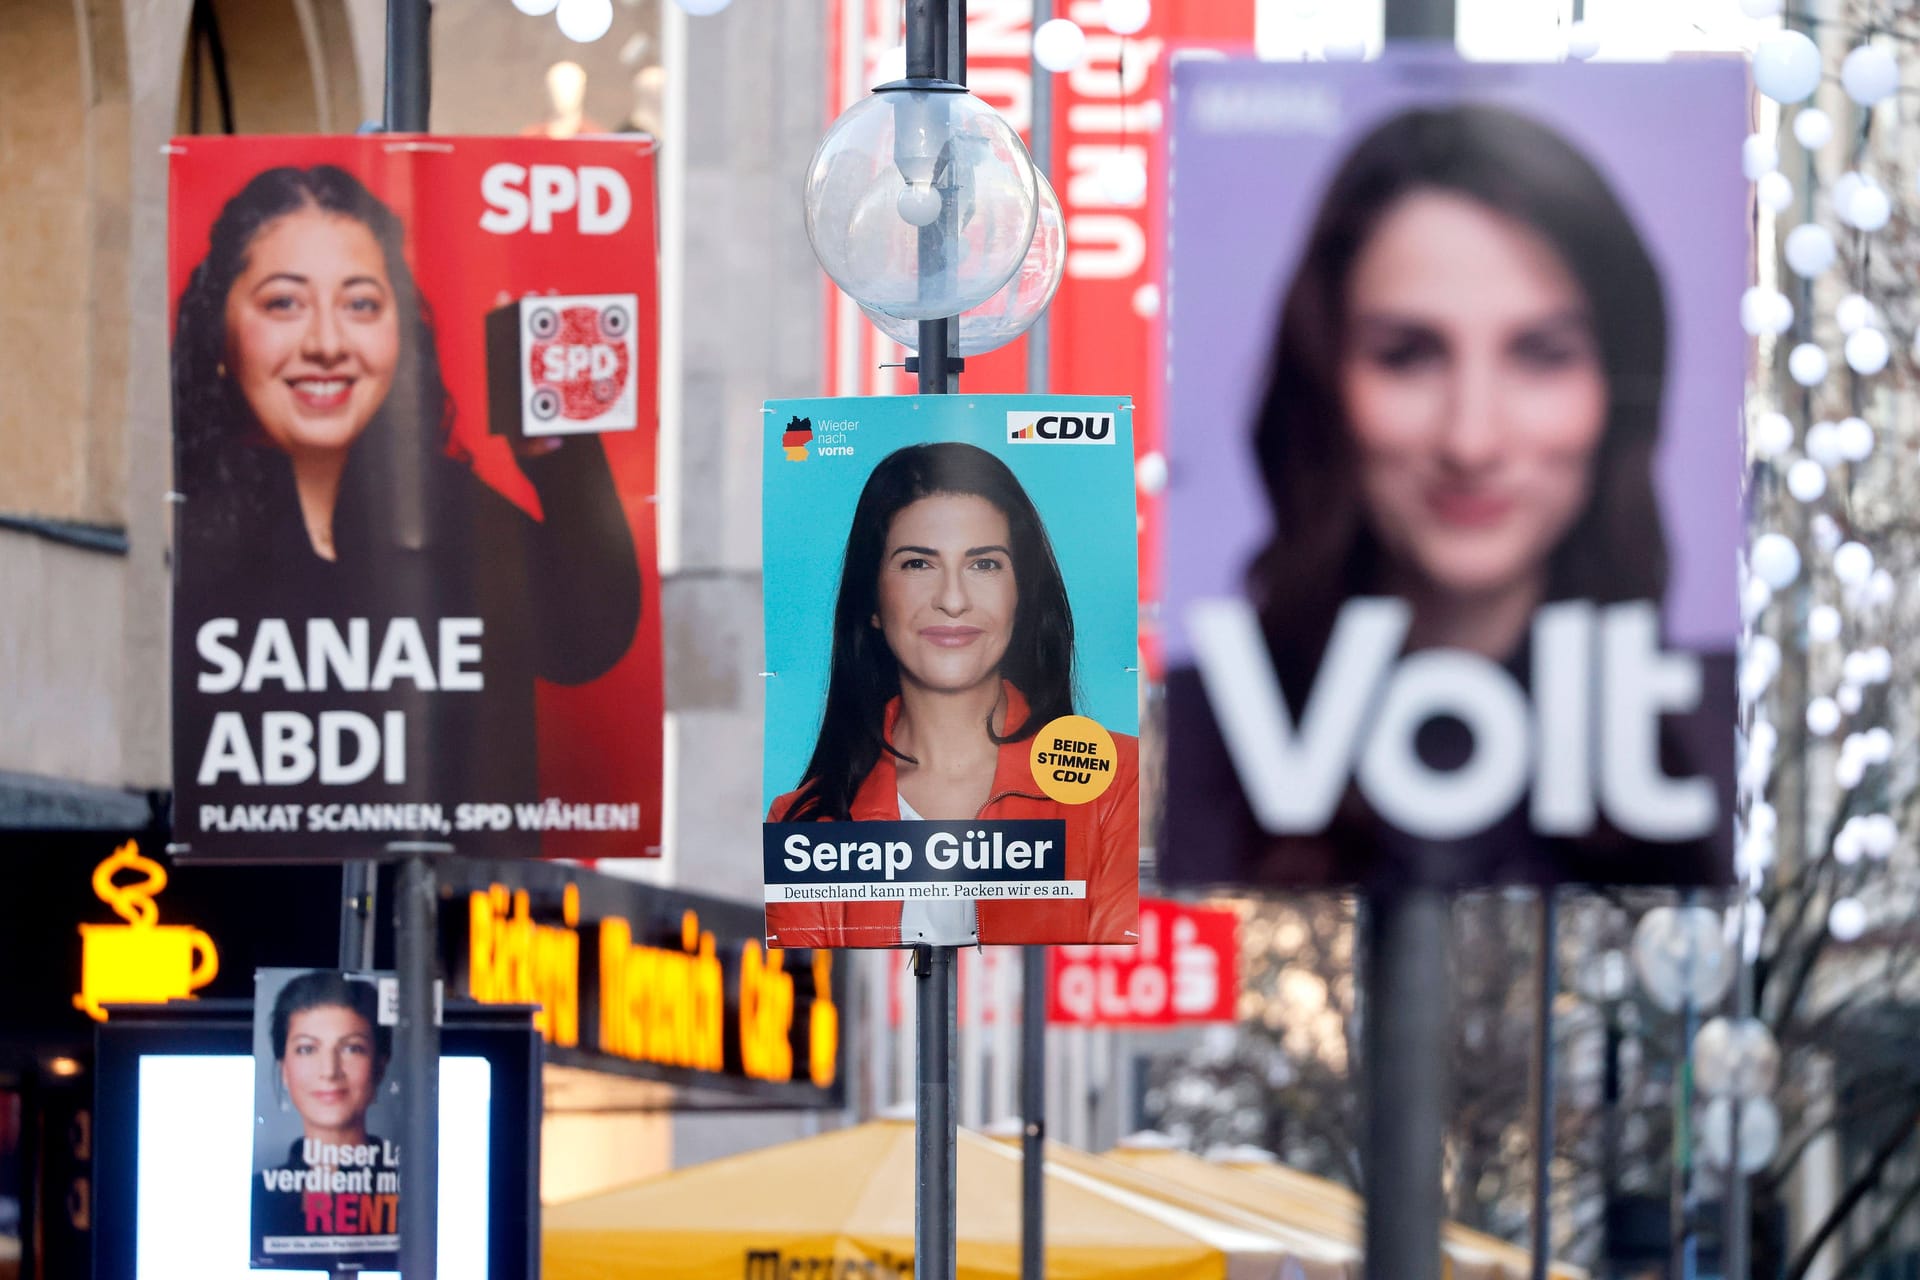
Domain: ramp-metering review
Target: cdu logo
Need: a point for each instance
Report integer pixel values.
(1029, 426)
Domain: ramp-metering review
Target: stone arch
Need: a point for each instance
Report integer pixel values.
(268, 66)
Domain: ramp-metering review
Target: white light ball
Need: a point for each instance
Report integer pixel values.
(1847, 848)
(1786, 66)
(1823, 624)
(1125, 17)
(919, 204)
(1880, 590)
(1852, 563)
(1847, 919)
(1774, 192)
(1771, 434)
(1755, 676)
(1755, 598)
(1150, 473)
(704, 8)
(1124, 179)
(1812, 128)
(1059, 44)
(1867, 353)
(1763, 818)
(1848, 696)
(1856, 668)
(1681, 954)
(1880, 834)
(1848, 770)
(1775, 560)
(1583, 41)
(1823, 445)
(1807, 364)
(1869, 209)
(1735, 1057)
(1882, 657)
(1764, 310)
(1809, 249)
(1759, 156)
(1826, 534)
(1853, 312)
(1852, 436)
(1823, 717)
(1870, 74)
(1807, 480)
(584, 21)
(535, 8)
(1877, 745)
(1841, 193)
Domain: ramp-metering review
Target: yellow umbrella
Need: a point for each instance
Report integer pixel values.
(1318, 1254)
(1325, 1208)
(840, 1207)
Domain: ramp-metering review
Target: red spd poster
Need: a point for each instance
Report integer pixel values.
(415, 589)
(1186, 969)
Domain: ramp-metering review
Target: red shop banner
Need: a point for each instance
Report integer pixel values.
(1185, 969)
(415, 589)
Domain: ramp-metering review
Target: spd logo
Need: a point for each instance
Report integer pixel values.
(1030, 426)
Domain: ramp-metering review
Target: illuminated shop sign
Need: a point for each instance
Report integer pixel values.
(650, 978)
(139, 961)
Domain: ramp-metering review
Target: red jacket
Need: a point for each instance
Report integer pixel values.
(1102, 848)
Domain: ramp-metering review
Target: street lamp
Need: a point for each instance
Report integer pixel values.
(1021, 301)
(921, 201)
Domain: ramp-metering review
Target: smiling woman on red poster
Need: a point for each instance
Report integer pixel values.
(368, 587)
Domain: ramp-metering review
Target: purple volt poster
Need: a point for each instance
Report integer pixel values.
(1453, 512)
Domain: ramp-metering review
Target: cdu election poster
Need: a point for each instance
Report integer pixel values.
(1453, 516)
(415, 587)
(952, 665)
(326, 1157)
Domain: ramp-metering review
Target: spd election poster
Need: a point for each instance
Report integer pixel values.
(1454, 513)
(952, 707)
(415, 587)
(326, 1157)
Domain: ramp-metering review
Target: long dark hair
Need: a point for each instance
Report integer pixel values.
(1322, 551)
(863, 676)
(238, 483)
(329, 989)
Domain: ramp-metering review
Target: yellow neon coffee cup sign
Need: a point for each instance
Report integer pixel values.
(141, 961)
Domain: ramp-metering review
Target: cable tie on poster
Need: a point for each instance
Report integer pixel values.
(174, 495)
(172, 149)
(768, 675)
(440, 147)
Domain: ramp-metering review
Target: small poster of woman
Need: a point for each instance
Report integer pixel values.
(952, 667)
(326, 1155)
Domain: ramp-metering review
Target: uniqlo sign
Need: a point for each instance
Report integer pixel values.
(1185, 969)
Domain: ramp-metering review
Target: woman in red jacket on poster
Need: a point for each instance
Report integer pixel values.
(952, 648)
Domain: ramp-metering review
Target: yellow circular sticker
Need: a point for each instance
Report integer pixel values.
(1074, 759)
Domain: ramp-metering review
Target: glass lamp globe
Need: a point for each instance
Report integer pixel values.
(1681, 956)
(1012, 311)
(1736, 1057)
(1759, 1134)
(921, 201)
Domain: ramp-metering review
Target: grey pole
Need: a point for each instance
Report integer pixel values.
(927, 58)
(358, 895)
(416, 1043)
(1407, 1013)
(935, 1139)
(930, 35)
(1549, 974)
(1033, 960)
(416, 902)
